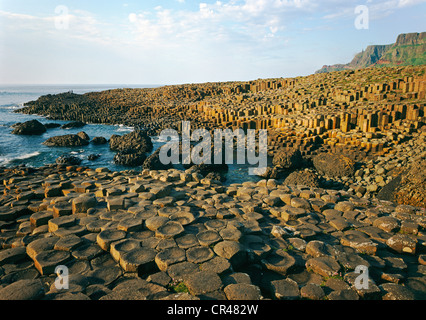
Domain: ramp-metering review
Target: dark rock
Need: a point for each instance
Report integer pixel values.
(23, 290)
(93, 157)
(334, 165)
(83, 135)
(68, 160)
(32, 127)
(304, 178)
(131, 159)
(99, 140)
(153, 162)
(242, 291)
(73, 124)
(288, 159)
(69, 140)
(136, 142)
(51, 125)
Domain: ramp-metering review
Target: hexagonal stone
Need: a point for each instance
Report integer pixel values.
(87, 252)
(23, 290)
(169, 230)
(403, 243)
(324, 266)
(217, 265)
(215, 224)
(187, 241)
(62, 209)
(233, 251)
(82, 203)
(46, 262)
(43, 244)
(346, 294)
(280, 262)
(359, 241)
(312, 291)
(297, 202)
(179, 271)
(106, 237)
(68, 243)
(141, 260)
(155, 222)
(122, 246)
(292, 213)
(60, 222)
(344, 206)
(286, 289)
(231, 234)
(97, 225)
(199, 254)
(183, 217)
(130, 224)
(208, 237)
(12, 255)
(388, 224)
(104, 275)
(242, 291)
(77, 230)
(40, 218)
(169, 256)
(203, 282)
(317, 248)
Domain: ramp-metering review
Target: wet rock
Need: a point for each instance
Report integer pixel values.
(69, 140)
(32, 127)
(73, 124)
(83, 135)
(99, 140)
(68, 160)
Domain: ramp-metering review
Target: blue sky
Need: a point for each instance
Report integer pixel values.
(188, 41)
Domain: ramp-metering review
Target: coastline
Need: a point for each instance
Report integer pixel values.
(344, 190)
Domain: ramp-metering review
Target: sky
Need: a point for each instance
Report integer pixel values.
(188, 41)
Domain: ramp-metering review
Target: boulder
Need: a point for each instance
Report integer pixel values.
(99, 140)
(304, 178)
(83, 135)
(68, 160)
(32, 127)
(69, 140)
(153, 162)
(129, 158)
(288, 159)
(136, 141)
(93, 157)
(334, 165)
(73, 124)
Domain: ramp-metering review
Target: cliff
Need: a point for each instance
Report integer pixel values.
(409, 49)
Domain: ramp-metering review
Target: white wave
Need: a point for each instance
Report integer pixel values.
(123, 128)
(7, 160)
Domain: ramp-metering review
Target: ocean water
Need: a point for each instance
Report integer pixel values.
(18, 149)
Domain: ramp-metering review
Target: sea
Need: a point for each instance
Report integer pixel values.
(18, 150)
